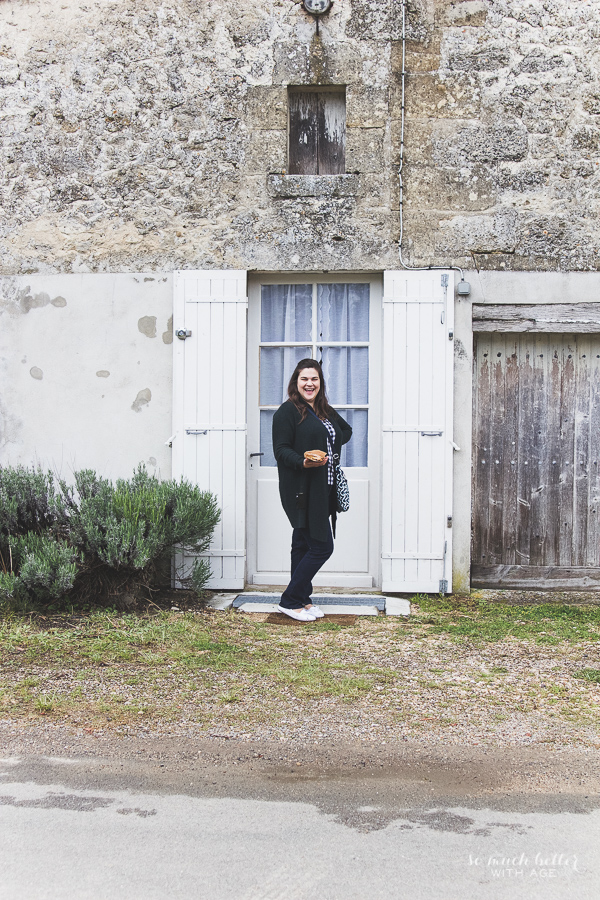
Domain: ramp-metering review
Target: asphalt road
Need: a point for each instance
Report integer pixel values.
(218, 820)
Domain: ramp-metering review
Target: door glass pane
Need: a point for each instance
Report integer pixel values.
(355, 452)
(266, 437)
(276, 367)
(286, 312)
(346, 371)
(343, 312)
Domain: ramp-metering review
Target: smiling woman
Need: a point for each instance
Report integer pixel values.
(309, 384)
(307, 433)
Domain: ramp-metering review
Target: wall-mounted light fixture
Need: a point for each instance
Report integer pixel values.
(317, 7)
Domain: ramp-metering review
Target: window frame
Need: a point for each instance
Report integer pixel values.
(317, 345)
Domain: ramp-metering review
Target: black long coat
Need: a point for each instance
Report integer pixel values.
(291, 438)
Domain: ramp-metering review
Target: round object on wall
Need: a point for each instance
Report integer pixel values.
(317, 7)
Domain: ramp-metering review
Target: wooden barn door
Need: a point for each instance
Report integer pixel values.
(536, 456)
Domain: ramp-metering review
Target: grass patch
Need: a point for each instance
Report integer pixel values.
(103, 639)
(314, 678)
(145, 656)
(46, 704)
(472, 619)
(592, 675)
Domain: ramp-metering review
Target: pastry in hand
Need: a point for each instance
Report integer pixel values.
(315, 455)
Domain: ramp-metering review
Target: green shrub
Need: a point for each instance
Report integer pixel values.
(29, 502)
(95, 540)
(9, 588)
(47, 565)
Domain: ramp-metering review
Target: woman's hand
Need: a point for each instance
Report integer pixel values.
(315, 463)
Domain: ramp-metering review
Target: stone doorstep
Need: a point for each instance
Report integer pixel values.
(397, 606)
(332, 604)
(337, 610)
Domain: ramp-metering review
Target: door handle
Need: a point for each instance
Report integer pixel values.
(256, 454)
(431, 433)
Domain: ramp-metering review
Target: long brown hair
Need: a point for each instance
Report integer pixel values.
(321, 405)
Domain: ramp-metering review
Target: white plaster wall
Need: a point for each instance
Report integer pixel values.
(534, 287)
(86, 372)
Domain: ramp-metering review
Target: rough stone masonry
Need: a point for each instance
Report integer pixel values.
(140, 137)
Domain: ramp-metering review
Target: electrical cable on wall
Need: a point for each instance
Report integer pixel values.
(466, 289)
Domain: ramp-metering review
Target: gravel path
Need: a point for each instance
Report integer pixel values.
(429, 691)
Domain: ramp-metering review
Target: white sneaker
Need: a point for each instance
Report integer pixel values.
(302, 615)
(315, 611)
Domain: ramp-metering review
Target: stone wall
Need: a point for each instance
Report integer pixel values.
(154, 137)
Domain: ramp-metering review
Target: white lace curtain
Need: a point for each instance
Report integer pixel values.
(342, 314)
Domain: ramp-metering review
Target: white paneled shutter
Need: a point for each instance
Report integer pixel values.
(209, 405)
(417, 431)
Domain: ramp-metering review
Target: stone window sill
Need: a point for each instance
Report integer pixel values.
(286, 187)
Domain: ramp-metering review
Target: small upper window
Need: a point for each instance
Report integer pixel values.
(317, 131)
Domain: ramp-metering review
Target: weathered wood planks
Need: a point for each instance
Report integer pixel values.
(549, 318)
(317, 132)
(550, 578)
(303, 133)
(536, 455)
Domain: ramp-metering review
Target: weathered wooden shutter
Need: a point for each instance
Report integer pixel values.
(209, 405)
(317, 132)
(417, 431)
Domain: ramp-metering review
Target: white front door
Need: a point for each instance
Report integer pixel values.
(336, 320)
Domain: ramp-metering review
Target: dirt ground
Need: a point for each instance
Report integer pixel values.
(526, 778)
(509, 718)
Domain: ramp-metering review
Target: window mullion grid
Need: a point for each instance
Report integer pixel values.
(315, 344)
(325, 344)
(266, 344)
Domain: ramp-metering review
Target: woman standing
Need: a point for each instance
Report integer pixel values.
(305, 422)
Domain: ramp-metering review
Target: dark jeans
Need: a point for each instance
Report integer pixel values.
(308, 556)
